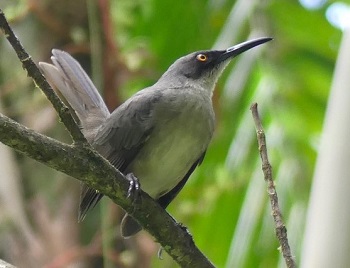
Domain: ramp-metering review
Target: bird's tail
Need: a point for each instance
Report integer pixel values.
(67, 77)
(71, 82)
(129, 226)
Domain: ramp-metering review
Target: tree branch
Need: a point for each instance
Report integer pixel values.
(40, 81)
(4, 264)
(281, 230)
(82, 162)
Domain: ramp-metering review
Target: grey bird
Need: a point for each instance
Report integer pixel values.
(160, 134)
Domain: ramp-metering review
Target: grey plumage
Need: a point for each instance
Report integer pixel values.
(71, 81)
(160, 134)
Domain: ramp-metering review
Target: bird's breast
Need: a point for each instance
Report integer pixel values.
(181, 134)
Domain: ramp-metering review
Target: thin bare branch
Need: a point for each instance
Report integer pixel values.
(4, 264)
(39, 79)
(281, 230)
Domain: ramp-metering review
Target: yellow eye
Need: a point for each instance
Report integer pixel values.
(202, 57)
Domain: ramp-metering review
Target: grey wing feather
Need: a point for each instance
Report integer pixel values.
(127, 129)
(120, 139)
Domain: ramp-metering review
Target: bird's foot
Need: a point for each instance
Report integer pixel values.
(134, 186)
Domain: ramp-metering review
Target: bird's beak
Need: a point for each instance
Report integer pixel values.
(234, 51)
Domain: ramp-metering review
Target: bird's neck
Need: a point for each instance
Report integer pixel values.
(204, 86)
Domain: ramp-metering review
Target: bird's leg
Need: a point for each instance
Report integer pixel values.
(134, 186)
(160, 253)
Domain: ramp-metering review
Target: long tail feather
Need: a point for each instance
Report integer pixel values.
(68, 77)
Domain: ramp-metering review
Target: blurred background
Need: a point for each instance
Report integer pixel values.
(125, 46)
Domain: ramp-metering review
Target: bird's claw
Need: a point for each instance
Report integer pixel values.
(134, 186)
(160, 253)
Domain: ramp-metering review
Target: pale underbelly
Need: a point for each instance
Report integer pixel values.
(161, 165)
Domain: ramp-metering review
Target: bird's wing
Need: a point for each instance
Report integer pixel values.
(165, 200)
(120, 139)
(127, 129)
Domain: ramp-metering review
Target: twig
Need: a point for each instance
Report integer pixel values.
(4, 264)
(82, 162)
(39, 79)
(281, 230)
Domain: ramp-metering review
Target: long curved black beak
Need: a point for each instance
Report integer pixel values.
(234, 51)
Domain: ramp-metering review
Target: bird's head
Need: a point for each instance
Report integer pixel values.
(203, 68)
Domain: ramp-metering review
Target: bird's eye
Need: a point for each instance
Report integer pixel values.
(202, 57)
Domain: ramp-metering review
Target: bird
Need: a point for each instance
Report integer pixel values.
(158, 136)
